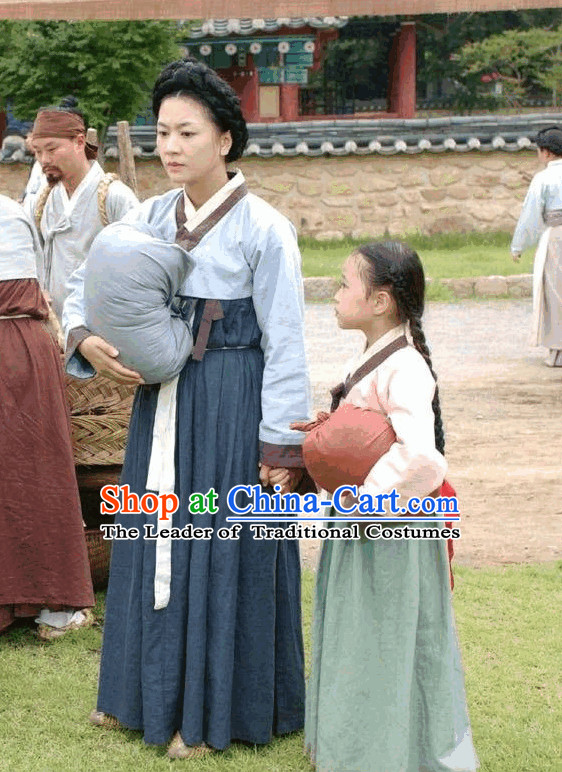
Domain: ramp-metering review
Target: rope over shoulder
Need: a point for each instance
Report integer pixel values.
(40, 206)
(103, 188)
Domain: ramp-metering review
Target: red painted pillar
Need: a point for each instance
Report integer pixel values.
(405, 71)
(250, 94)
(393, 75)
(245, 81)
(249, 97)
(289, 98)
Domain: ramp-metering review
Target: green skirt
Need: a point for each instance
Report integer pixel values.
(386, 691)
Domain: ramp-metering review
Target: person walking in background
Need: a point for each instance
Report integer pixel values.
(44, 570)
(541, 221)
(37, 178)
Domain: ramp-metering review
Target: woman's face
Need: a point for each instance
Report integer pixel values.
(192, 149)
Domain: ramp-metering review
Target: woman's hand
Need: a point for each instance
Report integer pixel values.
(288, 479)
(516, 257)
(102, 355)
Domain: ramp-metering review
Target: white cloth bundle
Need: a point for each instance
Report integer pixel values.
(19, 245)
(130, 280)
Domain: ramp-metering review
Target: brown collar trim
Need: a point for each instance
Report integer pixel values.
(189, 239)
(341, 391)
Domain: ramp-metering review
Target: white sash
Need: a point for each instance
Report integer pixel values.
(161, 479)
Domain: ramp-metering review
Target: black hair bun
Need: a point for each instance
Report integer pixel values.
(192, 78)
(68, 103)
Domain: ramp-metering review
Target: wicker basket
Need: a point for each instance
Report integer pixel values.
(99, 554)
(100, 440)
(98, 396)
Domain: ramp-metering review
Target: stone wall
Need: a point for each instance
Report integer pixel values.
(331, 197)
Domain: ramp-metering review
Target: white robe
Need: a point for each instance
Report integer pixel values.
(544, 196)
(69, 225)
(37, 180)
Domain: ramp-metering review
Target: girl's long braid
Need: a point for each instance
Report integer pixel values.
(405, 276)
(418, 338)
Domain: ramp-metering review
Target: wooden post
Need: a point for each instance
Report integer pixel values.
(92, 139)
(126, 157)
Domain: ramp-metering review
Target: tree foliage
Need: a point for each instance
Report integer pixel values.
(441, 37)
(522, 59)
(351, 66)
(108, 66)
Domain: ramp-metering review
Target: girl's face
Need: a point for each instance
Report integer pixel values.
(354, 311)
(191, 147)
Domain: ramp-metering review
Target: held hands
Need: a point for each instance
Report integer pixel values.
(516, 257)
(102, 356)
(308, 426)
(288, 479)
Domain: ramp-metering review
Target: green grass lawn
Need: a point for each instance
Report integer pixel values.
(444, 256)
(508, 623)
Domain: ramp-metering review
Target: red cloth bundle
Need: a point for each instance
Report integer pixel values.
(342, 447)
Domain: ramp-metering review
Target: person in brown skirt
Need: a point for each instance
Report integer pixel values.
(44, 570)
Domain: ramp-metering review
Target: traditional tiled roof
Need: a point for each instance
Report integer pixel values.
(381, 136)
(344, 137)
(219, 28)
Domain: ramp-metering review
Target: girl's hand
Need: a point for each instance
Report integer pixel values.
(288, 479)
(516, 257)
(102, 355)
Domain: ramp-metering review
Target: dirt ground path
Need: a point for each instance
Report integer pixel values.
(502, 409)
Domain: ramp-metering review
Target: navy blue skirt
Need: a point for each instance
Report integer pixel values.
(224, 660)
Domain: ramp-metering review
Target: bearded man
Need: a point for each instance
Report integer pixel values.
(78, 201)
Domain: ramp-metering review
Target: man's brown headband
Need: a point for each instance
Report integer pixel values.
(57, 123)
(61, 125)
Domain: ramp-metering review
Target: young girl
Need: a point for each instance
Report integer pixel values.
(542, 214)
(202, 638)
(386, 691)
